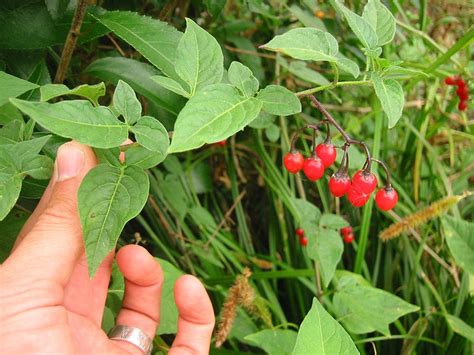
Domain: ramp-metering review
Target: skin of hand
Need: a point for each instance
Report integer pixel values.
(48, 303)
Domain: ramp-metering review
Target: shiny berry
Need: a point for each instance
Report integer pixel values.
(348, 238)
(346, 230)
(327, 153)
(386, 198)
(357, 197)
(339, 184)
(293, 162)
(463, 92)
(450, 80)
(299, 232)
(303, 241)
(313, 168)
(462, 106)
(365, 181)
(459, 81)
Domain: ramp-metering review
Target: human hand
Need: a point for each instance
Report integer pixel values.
(48, 303)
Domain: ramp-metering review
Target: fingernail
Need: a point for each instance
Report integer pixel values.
(69, 161)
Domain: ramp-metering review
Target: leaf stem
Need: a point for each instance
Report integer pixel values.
(332, 85)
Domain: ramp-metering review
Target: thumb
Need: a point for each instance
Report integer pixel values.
(54, 241)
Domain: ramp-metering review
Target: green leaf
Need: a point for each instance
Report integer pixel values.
(252, 60)
(126, 103)
(274, 341)
(326, 248)
(347, 65)
(460, 327)
(366, 309)
(90, 92)
(460, 238)
(10, 187)
(212, 115)
(12, 132)
(278, 100)
(359, 25)
(307, 18)
(155, 40)
(169, 312)
(396, 72)
(11, 86)
(142, 157)
(170, 84)
(199, 59)
(300, 69)
(151, 134)
(242, 78)
(272, 133)
(381, 20)
(137, 75)
(9, 113)
(305, 44)
(40, 167)
(390, 94)
(109, 197)
(11, 227)
(322, 334)
(79, 120)
(332, 221)
(18, 154)
(263, 120)
(308, 214)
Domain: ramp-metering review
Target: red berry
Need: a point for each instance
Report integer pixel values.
(450, 80)
(463, 92)
(313, 168)
(365, 181)
(339, 184)
(293, 162)
(462, 106)
(327, 153)
(303, 241)
(357, 197)
(299, 232)
(386, 198)
(459, 81)
(346, 230)
(221, 143)
(348, 238)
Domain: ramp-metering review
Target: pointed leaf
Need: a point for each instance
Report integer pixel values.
(242, 78)
(79, 120)
(212, 115)
(390, 94)
(347, 65)
(40, 167)
(155, 40)
(126, 103)
(10, 187)
(460, 327)
(460, 238)
(278, 100)
(274, 341)
(142, 157)
(170, 84)
(151, 134)
(109, 197)
(305, 44)
(11, 86)
(90, 92)
(381, 20)
(199, 59)
(322, 334)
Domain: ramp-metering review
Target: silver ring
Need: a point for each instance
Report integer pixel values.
(132, 335)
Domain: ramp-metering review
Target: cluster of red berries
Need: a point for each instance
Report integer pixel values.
(462, 91)
(358, 189)
(347, 234)
(302, 237)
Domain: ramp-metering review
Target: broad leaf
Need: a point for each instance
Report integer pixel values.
(10, 187)
(381, 20)
(300, 69)
(109, 197)
(347, 65)
(242, 78)
(90, 92)
(155, 40)
(168, 311)
(332, 221)
(151, 134)
(12, 132)
(359, 25)
(460, 238)
(11, 86)
(9, 113)
(366, 309)
(212, 115)
(40, 167)
(322, 334)
(308, 214)
(79, 120)
(142, 157)
(274, 341)
(305, 44)
(326, 248)
(460, 327)
(390, 94)
(137, 75)
(278, 100)
(199, 59)
(126, 103)
(170, 84)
